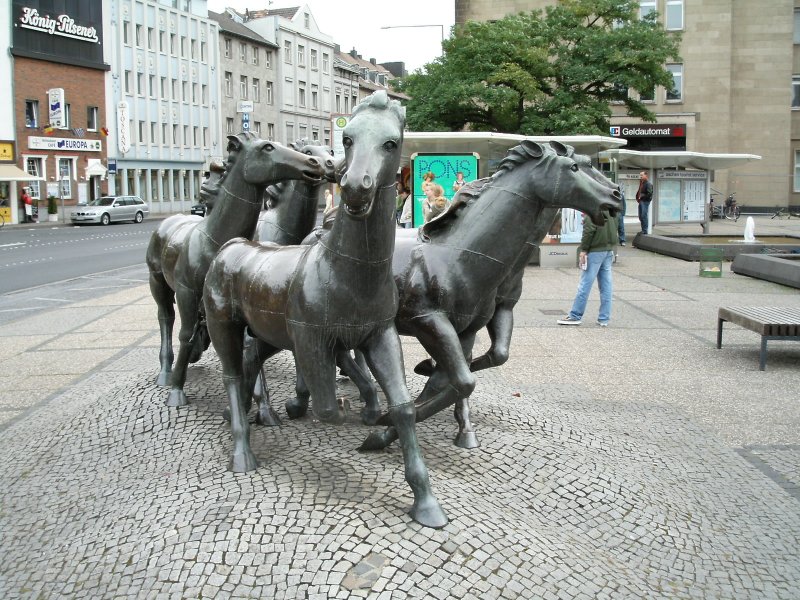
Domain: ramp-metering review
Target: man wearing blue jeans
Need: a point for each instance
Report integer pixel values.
(644, 196)
(595, 259)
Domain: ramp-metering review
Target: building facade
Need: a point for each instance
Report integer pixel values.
(164, 98)
(731, 95)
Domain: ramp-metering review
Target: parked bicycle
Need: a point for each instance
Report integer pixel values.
(783, 213)
(731, 210)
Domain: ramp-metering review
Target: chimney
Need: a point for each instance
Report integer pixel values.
(337, 48)
(353, 53)
(372, 60)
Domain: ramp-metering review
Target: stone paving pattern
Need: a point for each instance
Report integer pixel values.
(629, 462)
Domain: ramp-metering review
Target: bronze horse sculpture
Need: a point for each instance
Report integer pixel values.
(181, 249)
(450, 280)
(326, 298)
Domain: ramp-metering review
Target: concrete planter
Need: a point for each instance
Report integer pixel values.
(52, 218)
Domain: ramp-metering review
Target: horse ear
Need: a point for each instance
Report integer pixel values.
(560, 148)
(533, 149)
(234, 143)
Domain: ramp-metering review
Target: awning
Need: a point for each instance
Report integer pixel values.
(14, 173)
(95, 168)
(678, 158)
(493, 146)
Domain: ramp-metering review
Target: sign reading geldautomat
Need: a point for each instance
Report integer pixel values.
(648, 130)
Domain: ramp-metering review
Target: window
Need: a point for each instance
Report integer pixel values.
(31, 113)
(270, 91)
(674, 14)
(257, 128)
(162, 41)
(648, 96)
(138, 35)
(797, 26)
(268, 59)
(194, 93)
(183, 47)
(228, 84)
(150, 38)
(287, 52)
(243, 87)
(346, 104)
(196, 136)
(256, 90)
(164, 130)
(314, 59)
(140, 84)
(172, 46)
(646, 7)
(204, 94)
(795, 91)
(242, 52)
(153, 132)
(174, 89)
(142, 132)
(126, 33)
(205, 136)
(307, 20)
(338, 103)
(203, 51)
(91, 118)
(325, 62)
(33, 166)
(676, 93)
(619, 92)
(301, 55)
(314, 96)
(185, 135)
(254, 56)
(270, 131)
(301, 94)
(164, 87)
(227, 45)
(65, 177)
(229, 125)
(290, 133)
(175, 138)
(185, 91)
(796, 170)
(128, 82)
(152, 81)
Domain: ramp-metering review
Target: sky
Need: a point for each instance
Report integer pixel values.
(357, 23)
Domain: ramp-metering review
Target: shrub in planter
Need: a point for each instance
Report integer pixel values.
(52, 205)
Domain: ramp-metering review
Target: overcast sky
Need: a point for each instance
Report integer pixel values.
(357, 23)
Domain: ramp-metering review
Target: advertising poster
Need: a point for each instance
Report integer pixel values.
(567, 228)
(445, 168)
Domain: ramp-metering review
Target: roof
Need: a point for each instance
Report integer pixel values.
(228, 25)
(677, 158)
(285, 13)
(361, 63)
(493, 145)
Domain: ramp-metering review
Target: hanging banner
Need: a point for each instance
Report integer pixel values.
(123, 127)
(55, 97)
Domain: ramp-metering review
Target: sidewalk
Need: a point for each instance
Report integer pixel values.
(623, 462)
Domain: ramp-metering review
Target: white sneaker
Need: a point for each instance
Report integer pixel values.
(603, 323)
(568, 321)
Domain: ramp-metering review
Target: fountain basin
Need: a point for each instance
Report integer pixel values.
(778, 268)
(687, 247)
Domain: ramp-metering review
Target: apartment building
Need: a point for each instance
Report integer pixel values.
(734, 90)
(164, 97)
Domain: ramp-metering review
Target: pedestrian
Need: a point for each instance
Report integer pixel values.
(27, 202)
(595, 260)
(329, 205)
(408, 208)
(621, 216)
(435, 203)
(459, 182)
(643, 196)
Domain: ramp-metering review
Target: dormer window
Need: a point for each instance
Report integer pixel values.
(307, 20)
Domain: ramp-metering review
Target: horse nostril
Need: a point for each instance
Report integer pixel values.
(313, 161)
(367, 181)
(617, 195)
(343, 181)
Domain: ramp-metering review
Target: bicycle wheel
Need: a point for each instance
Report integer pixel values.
(736, 210)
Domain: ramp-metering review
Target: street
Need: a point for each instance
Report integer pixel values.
(38, 255)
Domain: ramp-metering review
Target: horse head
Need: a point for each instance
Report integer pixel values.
(561, 177)
(263, 161)
(372, 142)
(323, 153)
(209, 189)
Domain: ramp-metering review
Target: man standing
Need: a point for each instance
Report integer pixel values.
(27, 203)
(643, 196)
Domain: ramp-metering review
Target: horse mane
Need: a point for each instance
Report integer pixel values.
(380, 100)
(469, 194)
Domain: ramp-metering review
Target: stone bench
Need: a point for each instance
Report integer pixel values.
(770, 322)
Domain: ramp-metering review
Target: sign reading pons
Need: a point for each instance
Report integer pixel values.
(62, 25)
(49, 143)
(648, 130)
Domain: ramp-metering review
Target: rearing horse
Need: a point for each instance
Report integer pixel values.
(181, 249)
(449, 282)
(323, 299)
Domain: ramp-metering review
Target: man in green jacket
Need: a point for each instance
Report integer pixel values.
(595, 260)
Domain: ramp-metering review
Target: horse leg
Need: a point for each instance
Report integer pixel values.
(500, 328)
(369, 395)
(228, 338)
(165, 299)
(317, 365)
(297, 407)
(189, 308)
(465, 438)
(255, 353)
(384, 356)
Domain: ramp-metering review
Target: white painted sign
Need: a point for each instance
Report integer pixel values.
(123, 127)
(55, 103)
(51, 143)
(339, 123)
(244, 106)
(62, 25)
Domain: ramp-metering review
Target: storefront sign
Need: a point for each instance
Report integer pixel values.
(49, 143)
(648, 130)
(244, 106)
(123, 127)
(62, 25)
(7, 151)
(55, 103)
(682, 175)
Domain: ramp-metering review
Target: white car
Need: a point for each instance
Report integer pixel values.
(106, 209)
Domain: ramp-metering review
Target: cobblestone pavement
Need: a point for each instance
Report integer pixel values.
(629, 462)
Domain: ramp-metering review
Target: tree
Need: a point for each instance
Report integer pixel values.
(543, 72)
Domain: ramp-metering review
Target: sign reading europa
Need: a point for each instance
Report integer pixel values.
(62, 25)
(49, 143)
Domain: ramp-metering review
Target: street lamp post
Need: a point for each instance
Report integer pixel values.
(405, 26)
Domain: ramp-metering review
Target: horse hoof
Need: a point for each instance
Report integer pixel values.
(163, 378)
(295, 409)
(424, 367)
(370, 416)
(377, 440)
(267, 417)
(467, 440)
(243, 462)
(428, 513)
(177, 398)
(226, 414)
(331, 417)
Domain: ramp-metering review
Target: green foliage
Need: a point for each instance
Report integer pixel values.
(543, 72)
(52, 205)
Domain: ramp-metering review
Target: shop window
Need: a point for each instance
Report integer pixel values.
(31, 113)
